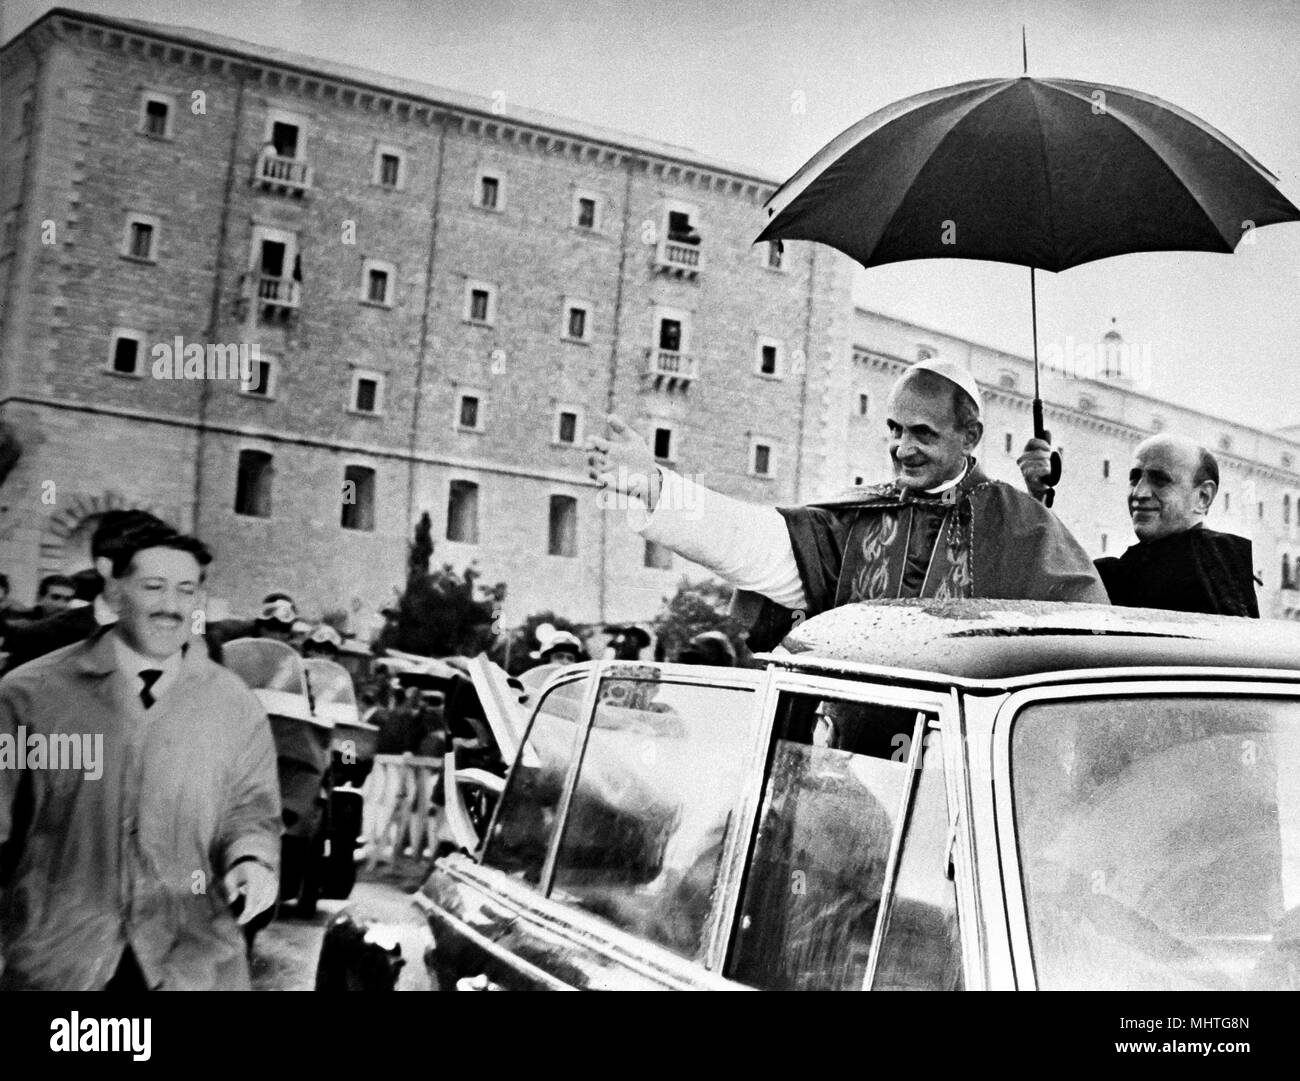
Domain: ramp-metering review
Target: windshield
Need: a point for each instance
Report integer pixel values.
(1159, 841)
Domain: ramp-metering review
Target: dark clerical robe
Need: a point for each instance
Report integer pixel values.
(980, 538)
(1197, 570)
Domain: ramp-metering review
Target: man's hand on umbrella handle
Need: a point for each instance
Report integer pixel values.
(256, 883)
(623, 463)
(1036, 468)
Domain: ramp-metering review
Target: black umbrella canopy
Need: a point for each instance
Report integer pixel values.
(1046, 173)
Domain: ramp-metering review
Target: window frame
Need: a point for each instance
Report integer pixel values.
(272, 380)
(1006, 713)
(641, 954)
(674, 444)
(373, 470)
(486, 173)
(369, 266)
(550, 528)
(481, 398)
(380, 379)
(130, 334)
(473, 285)
(596, 223)
(452, 482)
(301, 121)
(762, 342)
(578, 425)
(142, 125)
(377, 168)
(270, 483)
(587, 308)
(751, 465)
(739, 844)
(134, 218)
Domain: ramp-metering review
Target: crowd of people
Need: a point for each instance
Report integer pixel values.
(142, 877)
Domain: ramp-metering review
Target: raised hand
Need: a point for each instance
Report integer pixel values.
(623, 463)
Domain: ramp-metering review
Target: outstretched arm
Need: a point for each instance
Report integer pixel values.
(745, 544)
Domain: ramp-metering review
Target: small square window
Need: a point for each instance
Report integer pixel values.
(140, 239)
(367, 392)
(584, 211)
(577, 320)
(462, 512)
(489, 192)
(125, 354)
(566, 427)
(664, 444)
(762, 460)
(769, 358)
(261, 380)
(562, 539)
(358, 509)
(389, 168)
(377, 287)
(670, 335)
(1105, 469)
(480, 303)
(775, 255)
(577, 323)
(1008, 441)
(864, 405)
(468, 414)
(157, 114)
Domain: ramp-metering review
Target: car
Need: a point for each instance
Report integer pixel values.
(911, 795)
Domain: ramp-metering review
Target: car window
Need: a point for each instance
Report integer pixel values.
(921, 949)
(521, 830)
(657, 786)
(837, 774)
(1159, 841)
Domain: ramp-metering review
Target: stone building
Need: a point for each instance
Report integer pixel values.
(293, 305)
(437, 298)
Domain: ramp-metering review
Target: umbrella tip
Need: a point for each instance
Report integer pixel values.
(1024, 48)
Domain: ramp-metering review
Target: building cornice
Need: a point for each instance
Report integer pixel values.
(295, 74)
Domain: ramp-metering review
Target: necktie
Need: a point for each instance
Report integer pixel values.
(149, 677)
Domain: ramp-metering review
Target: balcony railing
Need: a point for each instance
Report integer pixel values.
(675, 257)
(667, 367)
(277, 292)
(278, 173)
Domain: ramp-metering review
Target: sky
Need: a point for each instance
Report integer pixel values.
(766, 83)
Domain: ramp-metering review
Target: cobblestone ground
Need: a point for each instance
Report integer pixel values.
(285, 955)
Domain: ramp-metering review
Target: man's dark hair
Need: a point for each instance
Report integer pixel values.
(114, 525)
(88, 584)
(52, 580)
(158, 536)
(1206, 469)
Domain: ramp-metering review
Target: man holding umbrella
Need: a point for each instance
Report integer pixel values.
(1177, 563)
(941, 529)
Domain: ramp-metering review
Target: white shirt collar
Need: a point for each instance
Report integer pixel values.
(104, 615)
(132, 662)
(950, 483)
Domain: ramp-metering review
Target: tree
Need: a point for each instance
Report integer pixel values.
(697, 607)
(441, 613)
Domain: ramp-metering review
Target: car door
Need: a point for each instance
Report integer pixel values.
(844, 879)
(602, 864)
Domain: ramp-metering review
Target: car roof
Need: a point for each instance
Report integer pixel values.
(1001, 640)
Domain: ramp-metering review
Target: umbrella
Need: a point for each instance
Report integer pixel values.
(1046, 173)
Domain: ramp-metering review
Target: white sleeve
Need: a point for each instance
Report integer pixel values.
(744, 543)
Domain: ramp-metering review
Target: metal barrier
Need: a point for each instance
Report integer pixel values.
(398, 807)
